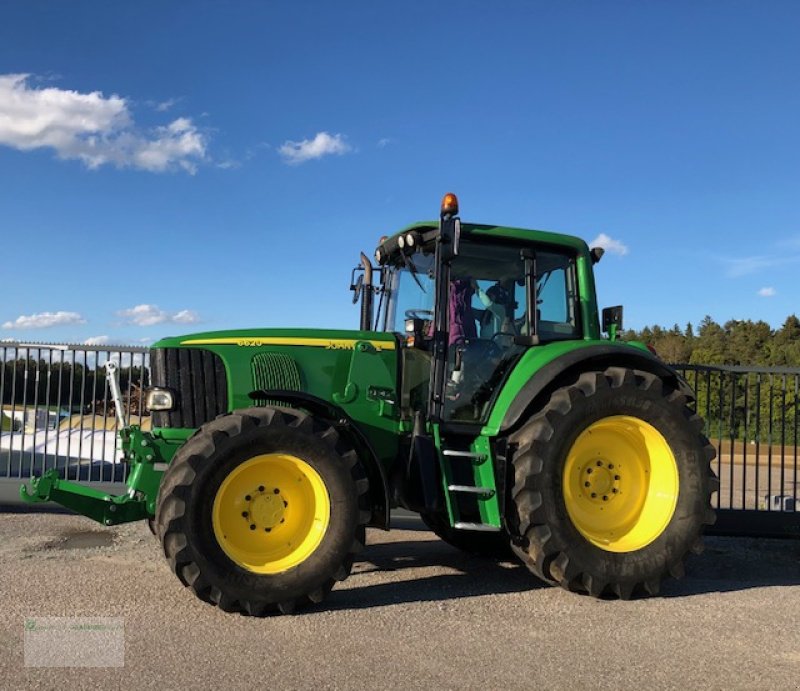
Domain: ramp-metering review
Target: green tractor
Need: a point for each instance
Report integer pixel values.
(477, 392)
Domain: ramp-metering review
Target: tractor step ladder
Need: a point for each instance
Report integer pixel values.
(483, 491)
(478, 527)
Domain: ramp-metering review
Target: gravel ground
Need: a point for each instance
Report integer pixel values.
(414, 613)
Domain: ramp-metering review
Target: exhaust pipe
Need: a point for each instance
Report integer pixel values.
(366, 294)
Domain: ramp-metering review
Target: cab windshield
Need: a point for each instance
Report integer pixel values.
(493, 278)
(410, 293)
(488, 312)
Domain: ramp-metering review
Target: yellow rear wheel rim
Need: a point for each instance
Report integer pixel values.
(271, 512)
(620, 483)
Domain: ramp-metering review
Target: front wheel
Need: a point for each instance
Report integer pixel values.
(262, 510)
(612, 484)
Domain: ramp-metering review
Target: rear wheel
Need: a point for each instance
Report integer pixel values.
(612, 484)
(263, 510)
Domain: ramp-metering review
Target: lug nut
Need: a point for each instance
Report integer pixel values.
(247, 497)
(261, 488)
(587, 484)
(614, 490)
(252, 526)
(283, 520)
(244, 514)
(276, 491)
(599, 464)
(611, 466)
(605, 498)
(594, 495)
(266, 530)
(616, 477)
(285, 503)
(588, 471)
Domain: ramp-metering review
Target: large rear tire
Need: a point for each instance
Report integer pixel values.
(263, 510)
(612, 484)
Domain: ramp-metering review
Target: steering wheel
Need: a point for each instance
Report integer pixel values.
(496, 338)
(419, 314)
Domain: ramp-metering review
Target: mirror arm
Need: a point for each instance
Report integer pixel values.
(529, 257)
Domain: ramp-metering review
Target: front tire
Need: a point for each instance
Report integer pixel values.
(612, 484)
(263, 510)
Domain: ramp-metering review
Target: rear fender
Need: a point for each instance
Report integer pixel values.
(567, 366)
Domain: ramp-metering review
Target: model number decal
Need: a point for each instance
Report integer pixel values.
(327, 343)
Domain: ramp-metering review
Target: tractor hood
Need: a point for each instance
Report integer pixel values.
(326, 339)
(214, 372)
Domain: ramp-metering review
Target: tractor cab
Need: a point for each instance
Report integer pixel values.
(468, 300)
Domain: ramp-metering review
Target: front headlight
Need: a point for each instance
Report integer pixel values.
(157, 398)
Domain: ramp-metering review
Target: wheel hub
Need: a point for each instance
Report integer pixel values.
(602, 481)
(266, 508)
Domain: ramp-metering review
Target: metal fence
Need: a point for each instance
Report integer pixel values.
(752, 417)
(56, 411)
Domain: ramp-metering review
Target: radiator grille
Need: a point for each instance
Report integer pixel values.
(275, 371)
(198, 377)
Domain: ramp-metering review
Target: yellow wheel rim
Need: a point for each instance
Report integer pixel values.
(620, 483)
(271, 513)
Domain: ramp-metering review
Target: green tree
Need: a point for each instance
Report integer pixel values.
(784, 348)
(710, 344)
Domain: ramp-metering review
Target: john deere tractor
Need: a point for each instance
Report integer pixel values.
(478, 392)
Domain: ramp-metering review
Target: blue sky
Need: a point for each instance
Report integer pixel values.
(170, 167)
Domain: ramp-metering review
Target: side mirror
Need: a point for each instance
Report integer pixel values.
(612, 321)
(356, 288)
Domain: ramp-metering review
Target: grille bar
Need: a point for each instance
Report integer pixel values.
(198, 377)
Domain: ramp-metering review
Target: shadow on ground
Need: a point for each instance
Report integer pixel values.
(475, 576)
(738, 563)
(728, 564)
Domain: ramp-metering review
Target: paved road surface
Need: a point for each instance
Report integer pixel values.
(416, 613)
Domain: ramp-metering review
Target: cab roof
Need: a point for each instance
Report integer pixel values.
(508, 232)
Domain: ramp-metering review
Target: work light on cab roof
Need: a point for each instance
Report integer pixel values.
(406, 243)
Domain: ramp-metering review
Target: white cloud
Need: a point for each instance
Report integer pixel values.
(185, 317)
(323, 144)
(149, 315)
(609, 244)
(164, 106)
(179, 143)
(96, 340)
(767, 292)
(44, 320)
(92, 128)
(382, 143)
(744, 266)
